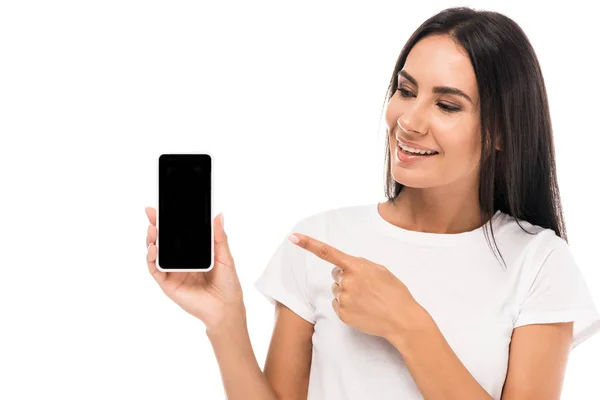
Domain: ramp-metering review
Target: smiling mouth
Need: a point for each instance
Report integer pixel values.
(406, 149)
(415, 152)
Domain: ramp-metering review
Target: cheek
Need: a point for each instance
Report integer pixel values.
(391, 117)
(466, 148)
(459, 140)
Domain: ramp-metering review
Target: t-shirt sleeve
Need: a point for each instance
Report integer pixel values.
(559, 293)
(285, 278)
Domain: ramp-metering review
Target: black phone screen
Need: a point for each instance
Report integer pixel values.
(184, 240)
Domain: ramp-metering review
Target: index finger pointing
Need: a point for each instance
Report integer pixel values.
(323, 251)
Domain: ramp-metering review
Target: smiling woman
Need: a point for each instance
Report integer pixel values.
(409, 298)
(427, 305)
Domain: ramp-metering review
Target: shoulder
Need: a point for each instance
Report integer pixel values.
(528, 248)
(521, 234)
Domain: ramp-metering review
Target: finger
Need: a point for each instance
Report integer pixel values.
(336, 274)
(151, 214)
(325, 251)
(336, 290)
(158, 275)
(151, 235)
(222, 251)
(335, 303)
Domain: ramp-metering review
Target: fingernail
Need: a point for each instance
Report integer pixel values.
(222, 220)
(294, 239)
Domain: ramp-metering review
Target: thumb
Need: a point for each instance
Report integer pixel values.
(222, 251)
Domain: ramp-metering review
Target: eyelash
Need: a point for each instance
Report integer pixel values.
(444, 107)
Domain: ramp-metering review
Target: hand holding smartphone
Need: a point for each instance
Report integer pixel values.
(196, 270)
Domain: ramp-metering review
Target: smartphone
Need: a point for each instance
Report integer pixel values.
(184, 216)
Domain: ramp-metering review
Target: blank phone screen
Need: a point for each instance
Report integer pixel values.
(184, 212)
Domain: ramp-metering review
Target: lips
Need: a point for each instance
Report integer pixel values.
(412, 146)
(408, 153)
(406, 143)
(406, 159)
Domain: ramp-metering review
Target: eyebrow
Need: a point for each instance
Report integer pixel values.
(437, 89)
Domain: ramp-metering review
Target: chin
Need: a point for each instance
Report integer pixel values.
(412, 178)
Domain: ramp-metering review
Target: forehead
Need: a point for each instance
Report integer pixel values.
(438, 61)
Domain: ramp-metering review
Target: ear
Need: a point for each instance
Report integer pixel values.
(498, 145)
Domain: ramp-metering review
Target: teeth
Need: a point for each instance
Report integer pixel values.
(415, 151)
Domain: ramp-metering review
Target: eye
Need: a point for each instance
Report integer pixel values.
(444, 107)
(448, 108)
(404, 92)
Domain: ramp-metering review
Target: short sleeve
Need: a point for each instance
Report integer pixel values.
(559, 293)
(285, 278)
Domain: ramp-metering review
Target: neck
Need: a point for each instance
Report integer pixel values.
(437, 210)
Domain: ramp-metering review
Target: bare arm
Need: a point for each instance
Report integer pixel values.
(241, 375)
(435, 368)
(290, 354)
(287, 365)
(537, 363)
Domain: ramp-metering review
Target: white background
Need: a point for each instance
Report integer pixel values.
(287, 96)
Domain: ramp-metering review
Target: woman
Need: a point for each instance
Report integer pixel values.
(413, 297)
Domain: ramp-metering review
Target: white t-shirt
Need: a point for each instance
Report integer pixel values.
(473, 298)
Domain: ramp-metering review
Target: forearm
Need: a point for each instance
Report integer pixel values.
(435, 368)
(242, 377)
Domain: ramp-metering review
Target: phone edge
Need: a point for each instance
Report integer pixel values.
(212, 217)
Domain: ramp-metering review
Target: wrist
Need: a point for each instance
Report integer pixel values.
(421, 325)
(232, 323)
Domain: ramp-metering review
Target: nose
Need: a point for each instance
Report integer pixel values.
(411, 123)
